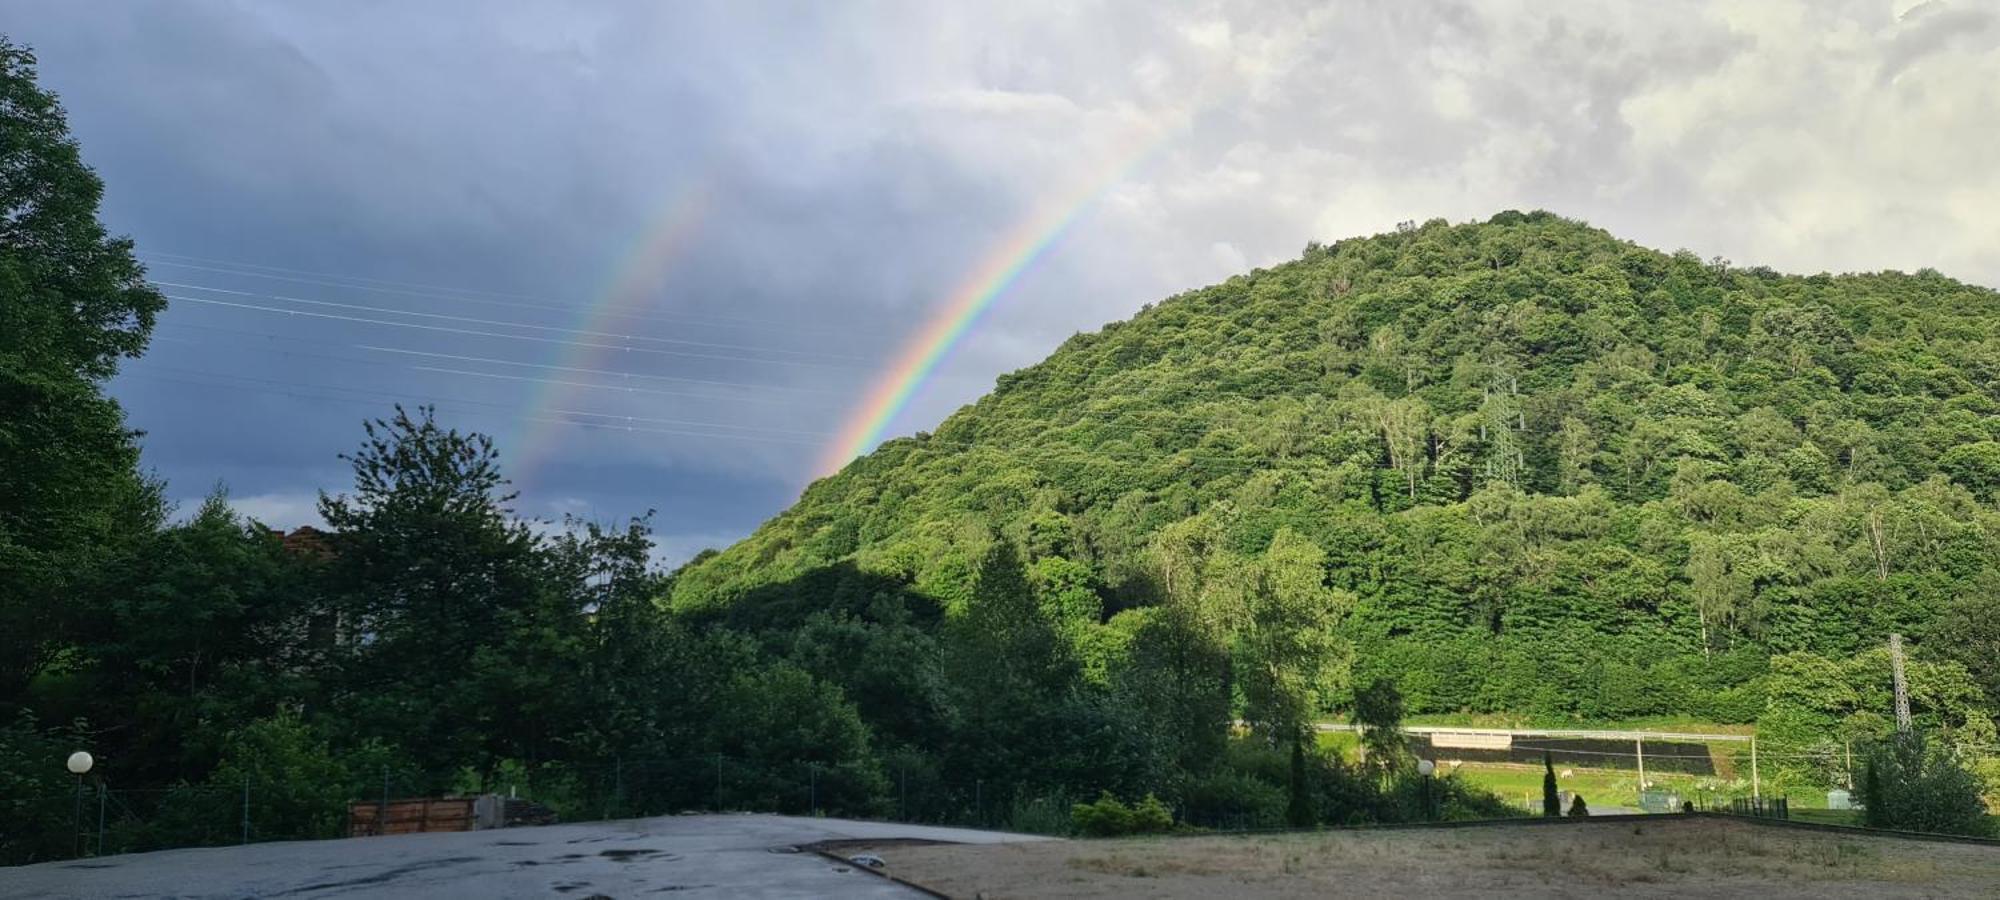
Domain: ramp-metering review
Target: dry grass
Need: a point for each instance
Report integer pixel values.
(1668, 857)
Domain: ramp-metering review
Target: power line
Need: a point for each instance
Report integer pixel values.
(618, 421)
(506, 324)
(606, 372)
(495, 334)
(616, 388)
(713, 321)
(615, 373)
(622, 389)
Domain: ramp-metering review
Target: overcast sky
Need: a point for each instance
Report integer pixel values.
(361, 202)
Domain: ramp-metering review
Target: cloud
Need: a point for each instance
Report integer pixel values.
(283, 511)
(860, 161)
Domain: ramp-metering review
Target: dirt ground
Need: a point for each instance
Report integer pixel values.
(1671, 857)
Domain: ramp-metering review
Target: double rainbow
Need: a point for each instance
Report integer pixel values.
(1027, 243)
(631, 289)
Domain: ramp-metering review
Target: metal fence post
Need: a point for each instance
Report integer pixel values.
(812, 787)
(246, 809)
(718, 782)
(100, 817)
(76, 822)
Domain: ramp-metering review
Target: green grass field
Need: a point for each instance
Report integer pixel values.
(1521, 785)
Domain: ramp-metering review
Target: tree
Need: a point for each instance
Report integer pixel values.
(452, 628)
(796, 741)
(1009, 670)
(1289, 652)
(73, 302)
(1912, 786)
(205, 626)
(1968, 631)
(1378, 709)
(1551, 797)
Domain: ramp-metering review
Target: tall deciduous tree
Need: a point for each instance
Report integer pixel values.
(445, 603)
(73, 302)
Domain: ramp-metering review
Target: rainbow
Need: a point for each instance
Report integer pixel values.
(999, 269)
(630, 290)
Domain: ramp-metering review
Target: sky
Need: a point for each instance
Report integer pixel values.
(665, 252)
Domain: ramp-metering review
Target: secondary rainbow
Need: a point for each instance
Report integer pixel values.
(631, 289)
(1023, 245)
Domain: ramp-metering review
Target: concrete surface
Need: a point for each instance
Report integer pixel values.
(681, 856)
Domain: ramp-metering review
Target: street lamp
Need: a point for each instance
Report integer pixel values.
(1425, 767)
(79, 764)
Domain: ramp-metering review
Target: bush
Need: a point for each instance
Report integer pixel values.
(1105, 818)
(1152, 817)
(1233, 799)
(37, 796)
(1909, 786)
(1577, 809)
(1109, 817)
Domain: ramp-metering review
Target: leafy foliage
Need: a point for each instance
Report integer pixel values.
(1516, 466)
(1914, 785)
(73, 302)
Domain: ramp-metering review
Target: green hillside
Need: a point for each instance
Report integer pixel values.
(1541, 471)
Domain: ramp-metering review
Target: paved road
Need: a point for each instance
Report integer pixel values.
(679, 856)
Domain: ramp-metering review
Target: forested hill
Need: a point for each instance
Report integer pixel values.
(1551, 473)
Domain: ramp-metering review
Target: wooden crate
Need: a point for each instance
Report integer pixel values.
(408, 816)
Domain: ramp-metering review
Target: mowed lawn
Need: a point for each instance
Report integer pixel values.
(1671, 857)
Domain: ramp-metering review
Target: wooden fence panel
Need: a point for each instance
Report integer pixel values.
(409, 816)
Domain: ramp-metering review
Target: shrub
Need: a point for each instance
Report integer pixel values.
(1110, 817)
(1152, 817)
(1233, 799)
(1577, 809)
(1910, 786)
(1042, 815)
(1107, 817)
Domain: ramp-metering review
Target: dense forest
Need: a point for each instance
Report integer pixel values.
(1522, 466)
(1512, 467)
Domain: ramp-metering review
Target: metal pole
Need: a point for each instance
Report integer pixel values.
(382, 814)
(100, 817)
(979, 799)
(1756, 792)
(1639, 744)
(1902, 686)
(903, 793)
(718, 782)
(246, 809)
(1850, 765)
(617, 784)
(76, 822)
(812, 788)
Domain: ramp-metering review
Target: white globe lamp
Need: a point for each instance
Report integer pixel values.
(80, 763)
